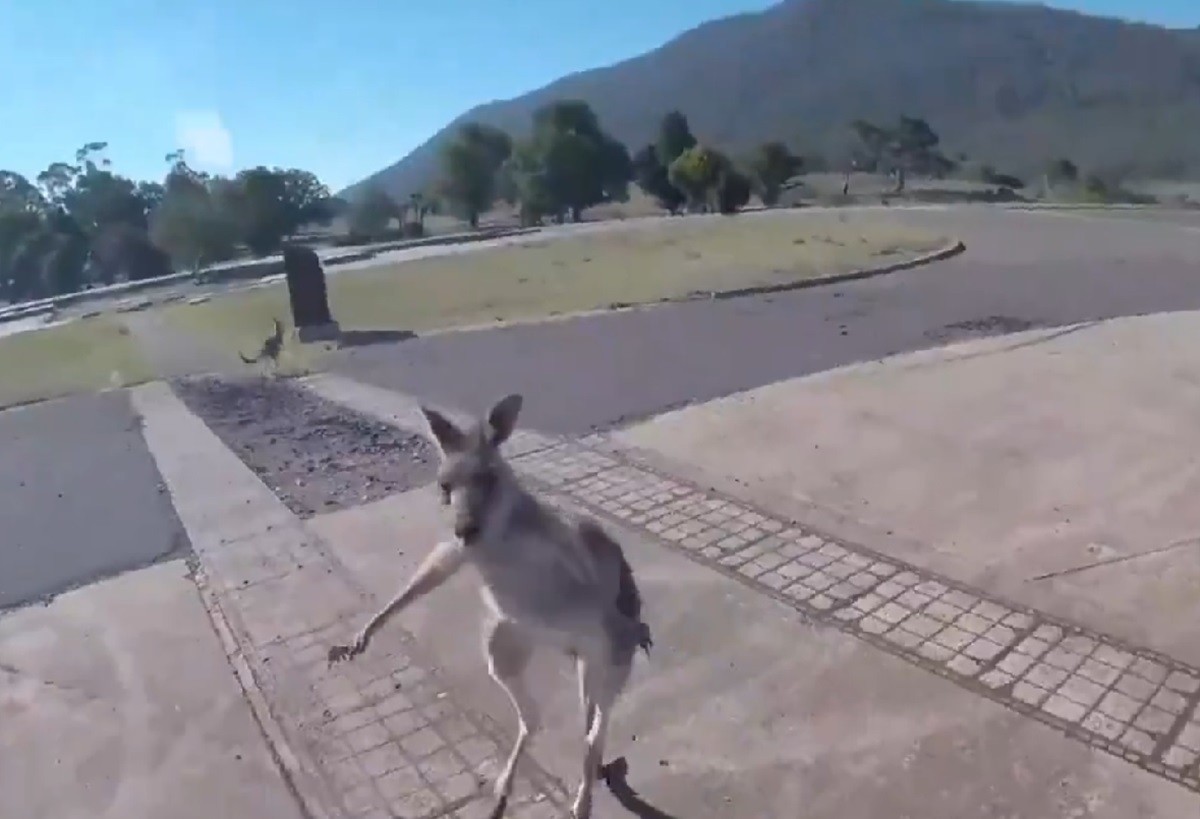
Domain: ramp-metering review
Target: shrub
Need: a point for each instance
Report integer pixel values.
(733, 191)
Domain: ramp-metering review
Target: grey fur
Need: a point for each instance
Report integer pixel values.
(547, 579)
(271, 347)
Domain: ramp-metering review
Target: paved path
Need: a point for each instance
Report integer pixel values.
(1021, 269)
(79, 497)
(284, 596)
(1056, 467)
(901, 690)
(117, 703)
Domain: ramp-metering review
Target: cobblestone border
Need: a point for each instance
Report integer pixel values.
(380, 737)
(1132, 702)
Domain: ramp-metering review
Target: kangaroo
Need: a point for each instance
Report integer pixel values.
(271, 347)
(546, 580)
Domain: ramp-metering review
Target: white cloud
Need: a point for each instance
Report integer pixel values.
(206, 141)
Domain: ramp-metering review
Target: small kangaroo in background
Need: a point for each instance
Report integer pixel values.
(271, 347)
(546, 580)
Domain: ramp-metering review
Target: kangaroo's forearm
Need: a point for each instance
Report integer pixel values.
(441, 563)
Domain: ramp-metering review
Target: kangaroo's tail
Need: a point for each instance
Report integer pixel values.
(629, 601)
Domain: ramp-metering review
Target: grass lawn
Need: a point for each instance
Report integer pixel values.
(637, 263)
(84, 355)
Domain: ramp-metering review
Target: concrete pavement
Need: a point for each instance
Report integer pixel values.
(721, 722)
(874, 706)
(116, 702)
(1054, 467)
(801, 656)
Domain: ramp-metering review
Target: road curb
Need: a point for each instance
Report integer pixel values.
(947, 252)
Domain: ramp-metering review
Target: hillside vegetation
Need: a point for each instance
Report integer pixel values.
(1008, 85)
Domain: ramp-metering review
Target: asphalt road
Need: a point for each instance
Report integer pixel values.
(1021, 270)
(79, 497)
(79, 493)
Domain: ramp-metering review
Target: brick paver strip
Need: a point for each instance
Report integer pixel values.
(1131, 702)
(378, 737)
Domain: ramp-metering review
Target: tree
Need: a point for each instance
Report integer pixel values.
(196, 224)
(1097, 186)
(1061, 171)
(151, 194)
(575, 163)
(99, 198)
(674, 137)
(272, 204)
(306, 200)
(909, 146)
(524, 183)
(18, 193)
(64, 261)
(470, 164)
(80, 222)
(26, 266)
(125, 252)
(697, 172)
(617, 170)
(871, 149)
(48, 228)
(650, 167)
(772, 165)
(56, 181)
(914, 150)
(17, 228)
(258, 201)
(372, 213)
(651, 176)
(733, 190)
(418, 206)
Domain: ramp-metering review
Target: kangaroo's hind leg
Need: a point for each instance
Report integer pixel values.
(603, 679)
(508, 650)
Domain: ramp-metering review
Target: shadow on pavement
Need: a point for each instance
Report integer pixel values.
(615, 774)
(366, 338)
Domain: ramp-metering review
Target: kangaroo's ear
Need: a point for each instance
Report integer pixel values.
(448, 436)
(503, 418)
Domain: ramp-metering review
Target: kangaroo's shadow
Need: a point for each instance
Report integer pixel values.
(615, 775)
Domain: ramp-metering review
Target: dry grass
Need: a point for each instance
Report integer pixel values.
(85, 355)
(636, 264)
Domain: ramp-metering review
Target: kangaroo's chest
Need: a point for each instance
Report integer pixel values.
(535, 585)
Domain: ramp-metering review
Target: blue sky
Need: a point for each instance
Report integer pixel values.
(341, 90)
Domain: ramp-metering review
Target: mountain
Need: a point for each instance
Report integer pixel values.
(1009, 84)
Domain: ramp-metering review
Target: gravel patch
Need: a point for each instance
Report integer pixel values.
(982, 328)
(316, 455)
